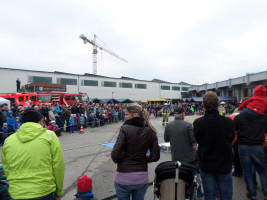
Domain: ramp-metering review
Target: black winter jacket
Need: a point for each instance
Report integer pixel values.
(214, 134)
(250, 129)
(132, 144)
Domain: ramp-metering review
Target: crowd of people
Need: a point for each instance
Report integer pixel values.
(211, 135)
(61, 118)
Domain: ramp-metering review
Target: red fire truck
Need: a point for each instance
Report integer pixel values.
(22, 98)
(68, 98)
(46, 98)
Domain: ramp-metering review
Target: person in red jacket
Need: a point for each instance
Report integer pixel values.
(256, 104)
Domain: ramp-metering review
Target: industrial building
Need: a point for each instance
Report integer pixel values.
(238, 88)
(95, 86)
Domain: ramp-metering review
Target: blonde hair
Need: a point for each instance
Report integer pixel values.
(136, 108)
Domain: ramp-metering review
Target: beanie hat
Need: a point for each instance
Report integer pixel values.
(31, 115)
(260, 90)
(84, 184)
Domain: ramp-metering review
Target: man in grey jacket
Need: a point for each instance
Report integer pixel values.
(181, 137)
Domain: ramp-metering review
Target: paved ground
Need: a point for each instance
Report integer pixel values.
(85, 154)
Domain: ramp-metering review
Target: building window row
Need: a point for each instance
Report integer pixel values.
(69, 81)
(140, 86)
(126, 85)
(185, 88)
(176, 88)
(89, 83)
(39, 79)
(167, 87)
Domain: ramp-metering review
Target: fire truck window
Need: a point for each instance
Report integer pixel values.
(21, 99)
(67, 98)
(27, 98)
(33, 98)
(75, 98)
(44, 98)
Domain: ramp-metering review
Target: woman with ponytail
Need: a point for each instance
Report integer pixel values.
(137, 136)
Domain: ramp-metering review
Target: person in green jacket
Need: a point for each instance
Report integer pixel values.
(33, 161)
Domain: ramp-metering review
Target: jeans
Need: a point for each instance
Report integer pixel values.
(124, 192)
(252, 157)
(51, 196)
(71, 128)
(190, 189)
(214, 182)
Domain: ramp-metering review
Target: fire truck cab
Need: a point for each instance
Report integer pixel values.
(68, 98)
(22, 98)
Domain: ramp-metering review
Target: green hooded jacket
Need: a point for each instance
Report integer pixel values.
(33, 162)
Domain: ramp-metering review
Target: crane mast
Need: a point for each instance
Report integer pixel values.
(95, 51)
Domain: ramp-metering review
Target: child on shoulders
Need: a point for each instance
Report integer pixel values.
(257, 104)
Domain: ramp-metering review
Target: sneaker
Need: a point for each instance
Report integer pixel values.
(250, 197)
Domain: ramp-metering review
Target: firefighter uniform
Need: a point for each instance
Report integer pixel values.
(165, 115)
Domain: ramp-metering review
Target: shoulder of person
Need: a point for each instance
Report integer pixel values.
(187, 123)
(198, 120)
(50, 134)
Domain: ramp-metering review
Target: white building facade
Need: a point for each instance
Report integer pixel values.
(94, 85)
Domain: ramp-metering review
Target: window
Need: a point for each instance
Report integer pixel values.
(90, 83)
(75, 98)
(44, 98)
(108, 84)
(126, 85)
(176, 88)
(67, 81)
(165, 87)
(67, 98)
(185, 88)
(40, 79)
(33, 98)
(85, 98)
(21, 99)
(140, 86)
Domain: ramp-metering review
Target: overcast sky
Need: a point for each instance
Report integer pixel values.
(195, 41)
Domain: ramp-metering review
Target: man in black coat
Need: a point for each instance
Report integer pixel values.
(250, 136)
(44, 111)
(214, 134)
(75, 109)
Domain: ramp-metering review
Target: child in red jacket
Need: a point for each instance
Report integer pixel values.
(257, 104)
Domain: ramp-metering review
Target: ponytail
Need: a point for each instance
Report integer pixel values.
(145, 115)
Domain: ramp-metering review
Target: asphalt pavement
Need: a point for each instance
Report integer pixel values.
(85, 154)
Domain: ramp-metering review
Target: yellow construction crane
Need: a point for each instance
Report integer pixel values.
(97, 46)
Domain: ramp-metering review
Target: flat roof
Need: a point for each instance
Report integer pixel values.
(94, 75)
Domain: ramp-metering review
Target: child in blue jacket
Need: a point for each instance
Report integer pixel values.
(10, 120)
(72, 122)
(16, 125)
(4, 133)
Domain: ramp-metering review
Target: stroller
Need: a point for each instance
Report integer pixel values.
(168, 176)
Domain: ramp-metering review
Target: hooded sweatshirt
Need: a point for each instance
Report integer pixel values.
(33, 162)
(257, 103)
(10, 120)
(250, 129)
